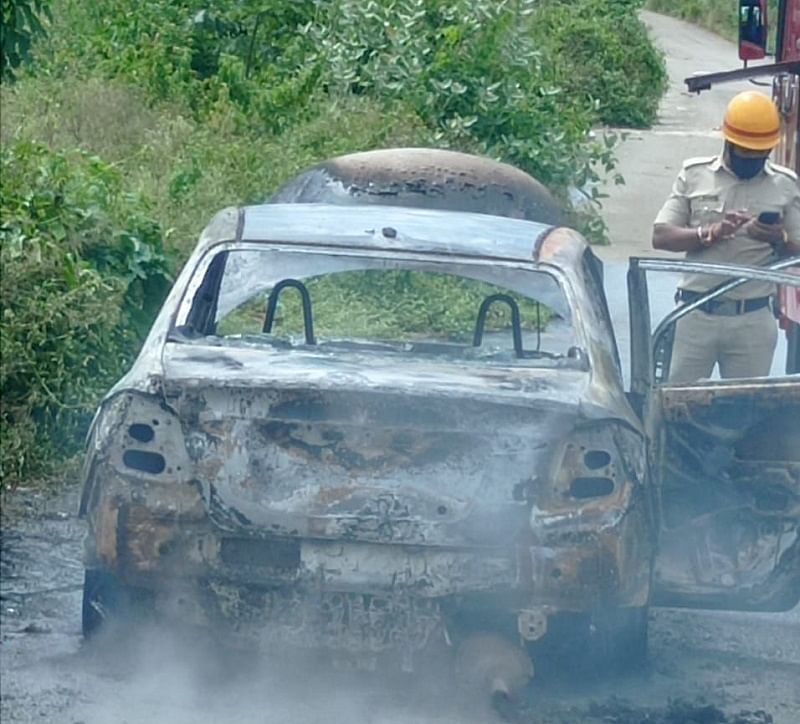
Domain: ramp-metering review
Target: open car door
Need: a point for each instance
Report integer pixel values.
(725, 457)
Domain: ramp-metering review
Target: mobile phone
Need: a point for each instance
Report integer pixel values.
(769, 217)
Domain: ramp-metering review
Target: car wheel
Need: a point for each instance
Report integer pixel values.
(618, 639)
(594, 644)
(106, 599)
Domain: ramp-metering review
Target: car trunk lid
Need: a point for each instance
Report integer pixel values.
(414, 453)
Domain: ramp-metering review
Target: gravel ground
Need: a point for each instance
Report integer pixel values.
(704, 667)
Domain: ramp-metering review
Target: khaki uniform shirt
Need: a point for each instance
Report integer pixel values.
(705, 190)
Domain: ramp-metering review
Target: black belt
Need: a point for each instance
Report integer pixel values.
(725, 307)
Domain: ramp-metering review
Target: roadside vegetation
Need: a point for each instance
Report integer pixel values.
(126, 124)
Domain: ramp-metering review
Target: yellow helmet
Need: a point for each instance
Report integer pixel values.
(752, 121)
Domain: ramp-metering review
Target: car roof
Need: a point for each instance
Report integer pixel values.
(392, 229)
(423, 178)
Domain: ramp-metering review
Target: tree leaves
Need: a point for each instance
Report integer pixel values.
(21, 26)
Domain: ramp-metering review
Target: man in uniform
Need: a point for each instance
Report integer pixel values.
(713, 215)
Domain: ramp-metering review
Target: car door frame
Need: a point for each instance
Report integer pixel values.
(650, 353)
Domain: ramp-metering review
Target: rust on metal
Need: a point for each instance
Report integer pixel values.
(358, 505)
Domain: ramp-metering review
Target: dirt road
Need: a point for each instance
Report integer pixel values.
(704, 667)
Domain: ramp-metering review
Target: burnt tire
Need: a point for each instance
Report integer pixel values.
(106, 600)
(618, 640)
(594, 645)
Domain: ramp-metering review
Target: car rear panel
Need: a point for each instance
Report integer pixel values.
(418, 464)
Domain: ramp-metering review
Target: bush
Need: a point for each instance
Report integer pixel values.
(470, 70)
(604, 56)
(184, 169)
(20, 26)
(515, 79)
(83, 275)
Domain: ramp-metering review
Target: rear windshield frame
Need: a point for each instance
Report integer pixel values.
(439, 263)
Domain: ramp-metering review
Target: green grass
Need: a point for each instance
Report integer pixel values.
(187, 170)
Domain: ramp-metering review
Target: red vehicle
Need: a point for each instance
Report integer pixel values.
(754, 36)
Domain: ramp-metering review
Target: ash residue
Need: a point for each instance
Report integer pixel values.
(619, 711)
(678, 711)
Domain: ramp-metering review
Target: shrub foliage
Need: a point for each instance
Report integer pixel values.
(83, 275)
(523, 80)
(20, 25)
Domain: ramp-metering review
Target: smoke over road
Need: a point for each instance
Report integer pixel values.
(710, 667)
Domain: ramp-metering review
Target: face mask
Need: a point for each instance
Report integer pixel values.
(745, 167)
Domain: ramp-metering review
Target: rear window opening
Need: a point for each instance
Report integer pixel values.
(343, 304)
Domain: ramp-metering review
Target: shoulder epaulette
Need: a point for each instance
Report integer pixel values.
(777, 168)
(699, 161)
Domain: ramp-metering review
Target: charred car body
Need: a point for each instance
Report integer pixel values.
(373, 491)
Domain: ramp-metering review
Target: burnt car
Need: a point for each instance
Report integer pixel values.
(296, 457)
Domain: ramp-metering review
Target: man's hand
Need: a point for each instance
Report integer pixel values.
(768, 233)
(733, 221)
(671, 237)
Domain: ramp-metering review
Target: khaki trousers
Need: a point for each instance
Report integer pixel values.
(743, 345)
